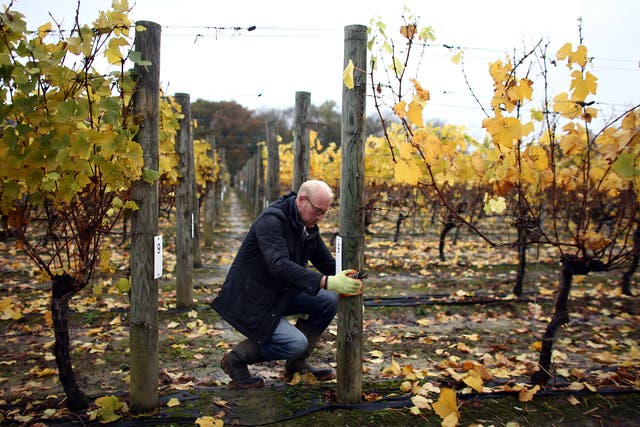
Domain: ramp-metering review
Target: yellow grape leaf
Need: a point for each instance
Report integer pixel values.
(537, 115)
(400, 109)
(44, 30)
(347, 75)
(113, 53)
(539, 157)
(406, 386)
(563, 105)
(8, 310)
(421, 92)
(450, 420)
(209, 422)
(407, 172)
(173, 402)
(527, 395)
(579, 56)
(629, 121)
(420, 402)
(524, 89)
(107, 407)
(415, 114)
(492, 205)
(572, 400)
(576, 386)
(105, 265)
(457, 57)
(447, 408)
(474, 382)
(571, 144)
(582, 86)
(46, 372)
(392, 370)
(409, 31)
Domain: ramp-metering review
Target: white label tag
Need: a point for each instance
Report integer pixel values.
(193, 226)
(157, 257)
(338, 254)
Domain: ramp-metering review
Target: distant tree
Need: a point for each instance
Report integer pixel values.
(234, 127)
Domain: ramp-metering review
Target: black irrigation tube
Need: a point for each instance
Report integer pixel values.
(390, 402)
(446, 299)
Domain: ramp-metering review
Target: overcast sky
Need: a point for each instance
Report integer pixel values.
(208, 53)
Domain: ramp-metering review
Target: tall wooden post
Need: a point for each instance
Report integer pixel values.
(273, 163)
(210, 205)
(197, 253)
(143, 393)
(301, 143)
(185, 215)
(259, 182)
(349, 357)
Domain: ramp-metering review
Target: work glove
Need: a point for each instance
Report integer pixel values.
(343, 284)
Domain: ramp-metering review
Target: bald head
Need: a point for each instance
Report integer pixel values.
(313, 186)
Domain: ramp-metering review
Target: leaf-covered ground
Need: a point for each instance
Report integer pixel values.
(428, 325)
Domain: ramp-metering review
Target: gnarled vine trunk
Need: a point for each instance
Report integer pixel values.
(522, 262)
(63, 289)
(635, 260)
(571, 266)
(448, 226)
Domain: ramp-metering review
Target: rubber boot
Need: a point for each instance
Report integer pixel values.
(300, 364)
(235, 362)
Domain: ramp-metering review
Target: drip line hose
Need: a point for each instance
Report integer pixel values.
(390, 402)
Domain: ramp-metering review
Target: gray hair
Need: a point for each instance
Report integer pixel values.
(312, 186)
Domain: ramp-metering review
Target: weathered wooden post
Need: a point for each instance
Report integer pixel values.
(210, 203)
(258, 170)
(273, 163)
(349, 358)
(197, 253)
(185, 215)
(143, 338)
(301, 143)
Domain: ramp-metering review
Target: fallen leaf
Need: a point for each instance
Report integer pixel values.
(474, 382)
(447, 408)
(572, 400)
(526, 395)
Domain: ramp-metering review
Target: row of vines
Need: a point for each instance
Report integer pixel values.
(69, 156)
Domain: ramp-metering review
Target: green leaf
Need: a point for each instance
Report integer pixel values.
(123, 285)
(136, 57)
(625, 165)
(131, 205)
(107, 407)
(150, 176)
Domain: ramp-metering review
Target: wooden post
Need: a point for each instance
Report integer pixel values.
(143, 339)
(185, 215)
(349, 357)
(301, 143)
(210, 206)
(197, 253)
(273, 163)
(259, 182)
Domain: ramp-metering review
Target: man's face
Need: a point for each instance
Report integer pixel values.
(314, 208)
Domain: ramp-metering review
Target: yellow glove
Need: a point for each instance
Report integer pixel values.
(343, 284)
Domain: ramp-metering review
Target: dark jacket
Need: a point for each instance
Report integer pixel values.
(269, 267)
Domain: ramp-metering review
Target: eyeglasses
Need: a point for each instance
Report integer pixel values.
(316, 209)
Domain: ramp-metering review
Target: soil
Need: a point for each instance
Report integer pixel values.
(425, 321)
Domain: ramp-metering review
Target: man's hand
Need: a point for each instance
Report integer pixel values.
(343, 284)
